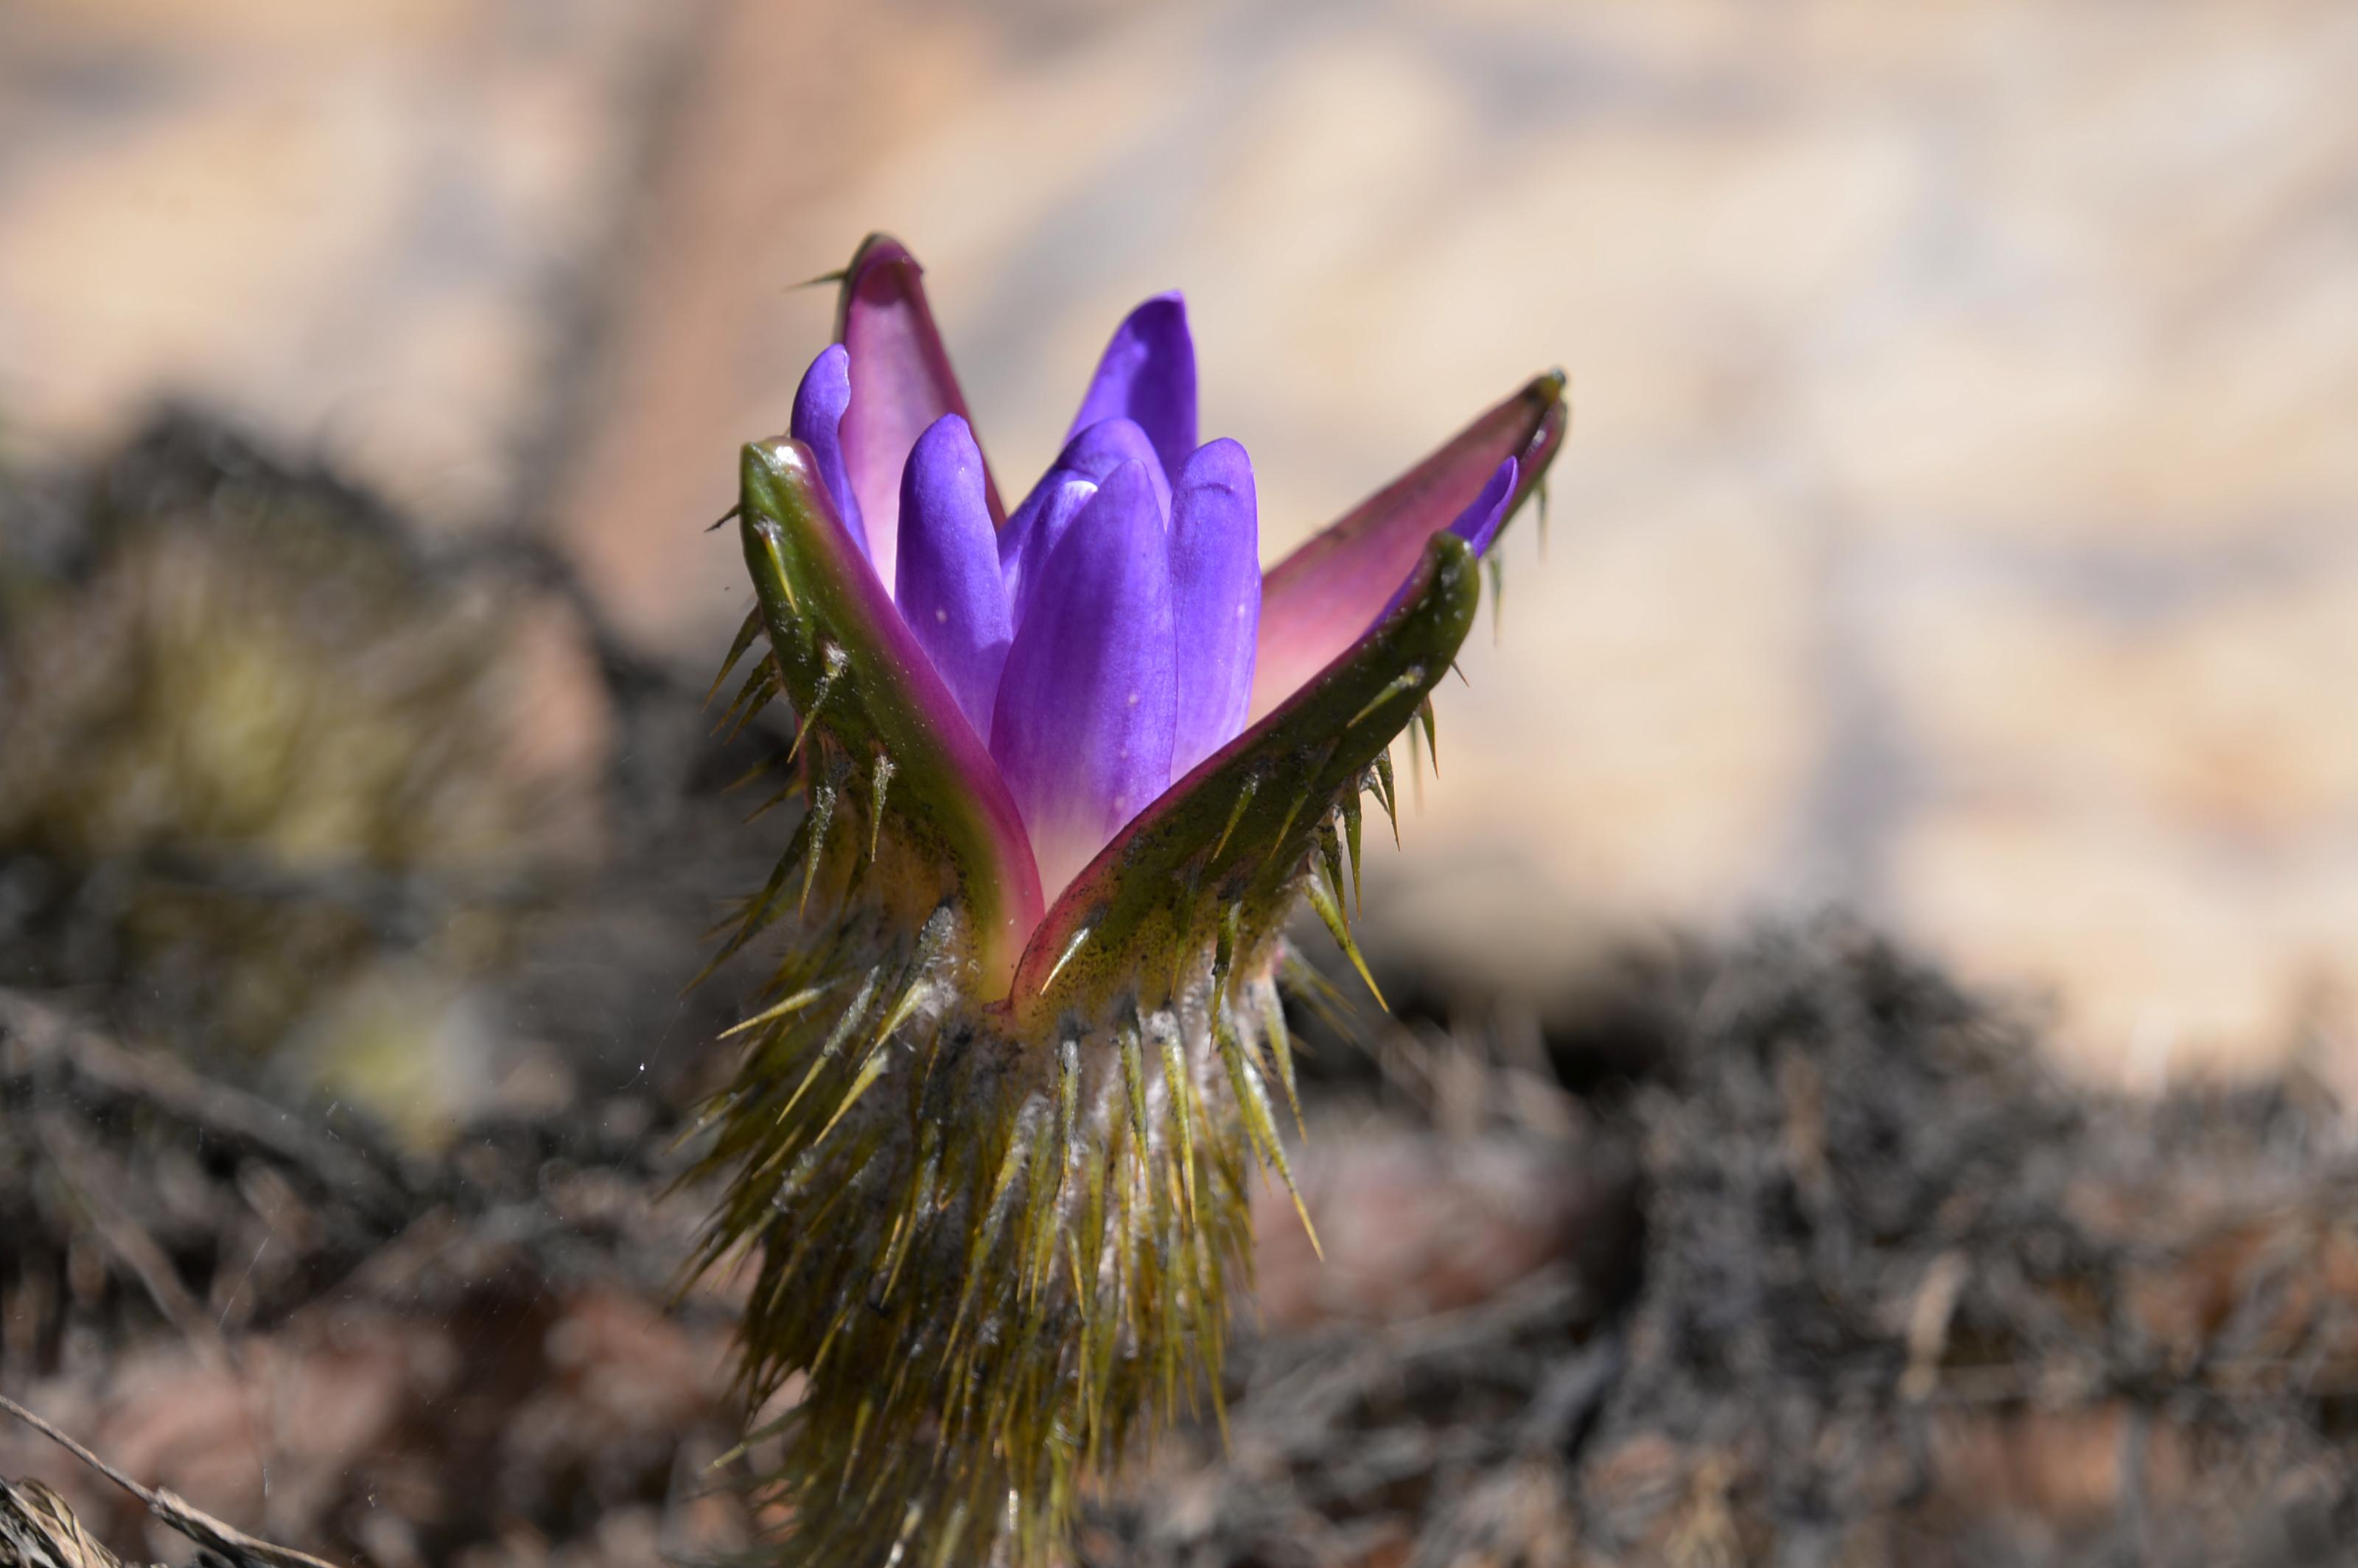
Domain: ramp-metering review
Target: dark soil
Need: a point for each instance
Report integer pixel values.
(1896, 1296)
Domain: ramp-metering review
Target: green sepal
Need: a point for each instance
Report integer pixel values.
(949, 828)
(1237, 830)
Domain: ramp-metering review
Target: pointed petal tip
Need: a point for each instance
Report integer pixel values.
(820, 399)
(1148, 374)
(946, 583)
(901, 381)
(1479, 523)
(1321, 599)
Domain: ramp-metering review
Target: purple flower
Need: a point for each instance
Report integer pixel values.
(1042, 1111)
(1115, 630)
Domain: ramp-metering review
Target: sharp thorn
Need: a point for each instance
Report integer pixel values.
(883, 781)
(869, 1071)
(1351, 840)
(1133, 1077)
(835, 659)
(1236, 813)
(795, 1003)
(1408, 680)
(737, 646)
(1065, 957)
(1281, 1049)
(1182, 1092)
(1389, 791)
(821, 818)
(1331, 914)
(1330, 857)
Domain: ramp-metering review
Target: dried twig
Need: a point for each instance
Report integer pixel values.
(37, 1531)
(237, 1548)
(46, 1035)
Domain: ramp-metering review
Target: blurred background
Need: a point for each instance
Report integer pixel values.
(1961, 520)
(1959, 524)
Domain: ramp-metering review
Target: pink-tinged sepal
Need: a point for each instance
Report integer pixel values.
(1229, 844)
(909, 782)
(1317, 601)
(901, 383)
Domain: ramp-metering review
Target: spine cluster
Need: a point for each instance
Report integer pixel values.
(992, 1254)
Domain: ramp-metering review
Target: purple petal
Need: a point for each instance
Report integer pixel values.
(1320, 600)
(1148, 374)
(1031, 535)
(1478, 526)
(1096, 452)
(1089, 460)
(947, 584)
(820, 403)
(1215, 599)
(1479, 523)
(1087, 704)
(901, 383)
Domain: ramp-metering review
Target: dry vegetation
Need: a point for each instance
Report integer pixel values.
(1810, 1260)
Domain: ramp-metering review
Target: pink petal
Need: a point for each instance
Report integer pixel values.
(1321, 599)
(901, 383)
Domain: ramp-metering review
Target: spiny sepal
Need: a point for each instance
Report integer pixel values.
(939, 820)
(1238, 833)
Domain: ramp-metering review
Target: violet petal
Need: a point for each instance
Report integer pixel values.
(947, 578)
(1148, 374)
(1215, 598)
(1031, 534)
(1479, 523)
(1086, 703)
(1087, 459)
(1095, 452)
(820, 403)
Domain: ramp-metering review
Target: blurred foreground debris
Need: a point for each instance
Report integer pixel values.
(384, 1357)
(1847, 1279)
(1900, 1298)
(35, 1524)
(296, 791)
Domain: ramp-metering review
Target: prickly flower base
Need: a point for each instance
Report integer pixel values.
(992, 1251)
(998, 1208)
